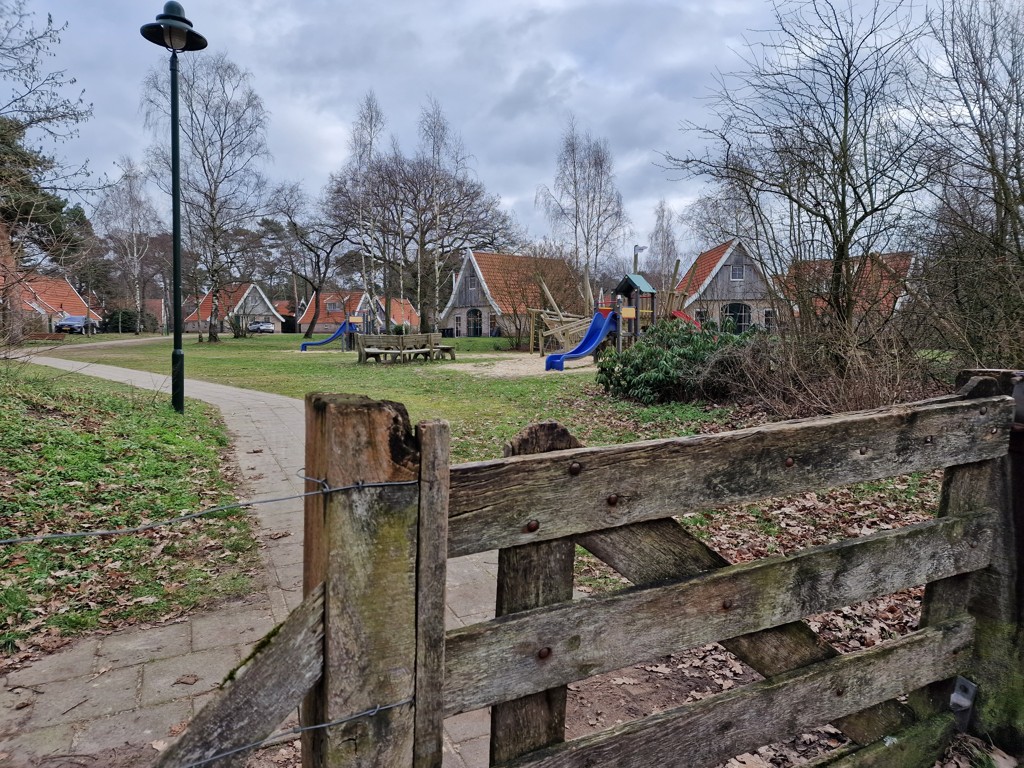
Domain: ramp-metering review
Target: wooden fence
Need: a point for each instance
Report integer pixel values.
(369, 650)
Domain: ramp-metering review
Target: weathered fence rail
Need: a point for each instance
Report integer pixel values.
(392, 511)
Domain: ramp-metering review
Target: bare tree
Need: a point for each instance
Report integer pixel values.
(36, 222)
(584, 206)
(973, 271)
(223, 188)
(306, 227)
(663, 251)
(129, 221)
(813, 138)
(411, 217)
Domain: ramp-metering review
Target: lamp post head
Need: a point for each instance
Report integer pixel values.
(173, 31)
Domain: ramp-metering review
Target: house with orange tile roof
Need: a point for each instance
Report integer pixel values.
(879, 286)
(44, 301)
(338, 307)
(241, 302)
(726, 283)
(493, 293)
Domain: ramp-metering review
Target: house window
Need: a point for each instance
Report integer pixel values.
(701, 316)
(769, 320)
(492, 325)
(458, 325)
(474, 322)
(333, 306)
(471, 281)
(736, 272)
(737, 315)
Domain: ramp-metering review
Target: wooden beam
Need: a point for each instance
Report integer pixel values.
(591, 636)
(570, 492)
(531, 576)
(711, 731)
(431, 575)
(370, 547)
(659, 550)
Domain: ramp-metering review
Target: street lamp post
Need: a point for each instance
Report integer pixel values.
(173, 31)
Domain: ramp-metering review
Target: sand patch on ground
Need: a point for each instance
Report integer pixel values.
(514, 365)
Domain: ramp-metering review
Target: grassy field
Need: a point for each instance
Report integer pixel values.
(483, 411)
(82, 454)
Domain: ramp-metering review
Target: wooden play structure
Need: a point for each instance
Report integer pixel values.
(635, 300)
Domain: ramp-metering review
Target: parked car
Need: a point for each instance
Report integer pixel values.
(260, 326)
(76, 324)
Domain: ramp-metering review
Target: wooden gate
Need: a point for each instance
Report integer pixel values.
(369, 650)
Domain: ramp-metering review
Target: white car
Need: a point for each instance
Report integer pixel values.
(260, 326)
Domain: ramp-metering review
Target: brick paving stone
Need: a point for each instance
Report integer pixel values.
(160, 679)
(76, 660)
(219, 629)
(134, 646)
(137, 726)
(23, 749)
(85, 698)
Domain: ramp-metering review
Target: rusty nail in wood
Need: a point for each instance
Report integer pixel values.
(532, 526)
(727, 604)
(789, 461)
(863, 450)
(575, 468)
(984, 410)
(995, 430)
(613, 499)
(840, 691)
(928, 439)
(543, 653)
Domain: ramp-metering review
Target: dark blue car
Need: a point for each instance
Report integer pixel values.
(76, 324)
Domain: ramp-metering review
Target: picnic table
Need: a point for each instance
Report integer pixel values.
(401, 348)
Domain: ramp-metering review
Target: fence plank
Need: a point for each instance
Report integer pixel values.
(592, 636)
(531, 576)
(658, 550)
(261, 694)
(613, 486)
(431, 572)
(710, 731)
(370, 599)
(918, 746)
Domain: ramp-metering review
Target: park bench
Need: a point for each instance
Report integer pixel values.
(401, 348)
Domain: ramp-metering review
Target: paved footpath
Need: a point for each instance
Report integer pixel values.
(110, 695)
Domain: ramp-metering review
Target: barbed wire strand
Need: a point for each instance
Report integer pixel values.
(325, 489)
(298, 729)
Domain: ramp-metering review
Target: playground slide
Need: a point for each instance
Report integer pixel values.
(600, 327)
(342, 330)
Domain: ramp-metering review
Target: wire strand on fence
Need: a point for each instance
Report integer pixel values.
(298, 729)
(324, 489)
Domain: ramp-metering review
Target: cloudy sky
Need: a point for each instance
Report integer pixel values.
(506, 74)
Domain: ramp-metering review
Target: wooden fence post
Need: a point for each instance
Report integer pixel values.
(530, 576)
(367, 545)
(994, 596)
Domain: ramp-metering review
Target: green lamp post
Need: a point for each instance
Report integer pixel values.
(173, 31)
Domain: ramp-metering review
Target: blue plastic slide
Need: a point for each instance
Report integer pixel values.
(344, 328)
(600, 327)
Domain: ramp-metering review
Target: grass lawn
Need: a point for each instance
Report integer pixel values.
(83, 454)
(483, 411)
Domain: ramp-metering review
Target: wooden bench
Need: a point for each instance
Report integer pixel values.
(401, 348)
(45, 336)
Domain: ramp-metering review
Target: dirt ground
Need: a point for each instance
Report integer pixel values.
(512, 365)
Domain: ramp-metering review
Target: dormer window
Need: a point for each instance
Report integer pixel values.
(333, 306)
(736, 272)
